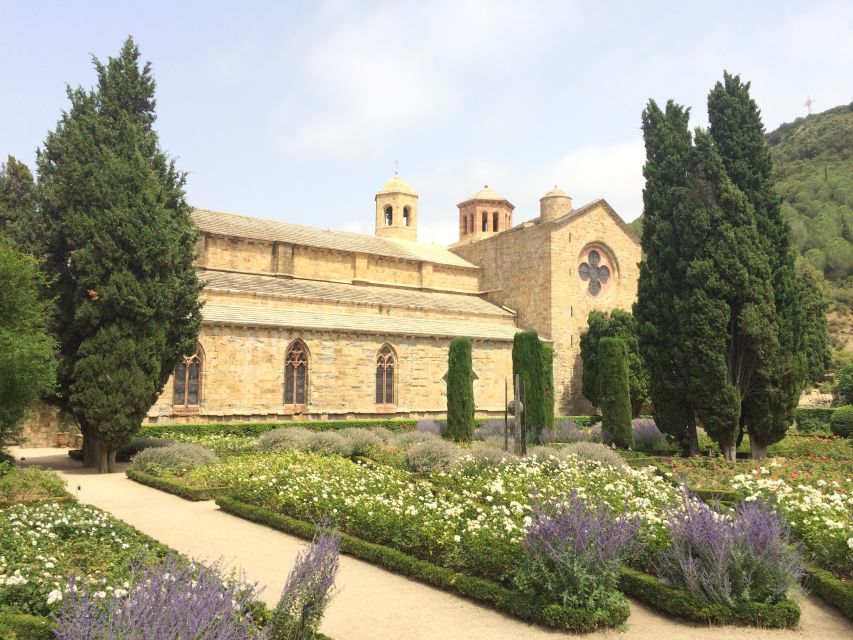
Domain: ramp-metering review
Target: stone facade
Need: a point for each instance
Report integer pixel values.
(348, 296)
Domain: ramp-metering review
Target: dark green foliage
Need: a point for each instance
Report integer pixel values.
(844, 376)
(27, 353)
(527, 363)
(548, 379)
(680, 604)
(257, 428)
(615, 324)
(815, 334)
(19, 206)
(841, 422)
(119, 245)
(813, 419)
(460, 391)
(478, 589)
(614, 393)
(831, 589)
(172, 485)
(20, 626)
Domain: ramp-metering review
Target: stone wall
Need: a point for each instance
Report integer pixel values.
(43, 425)
(243, 376)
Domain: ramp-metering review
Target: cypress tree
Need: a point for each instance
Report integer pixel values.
(774, 379)
(119, 246)
(18, 206)
(460, 390)
(616, 324)
(614, 393)
(548, 380)
(527, 363)
(815, 337)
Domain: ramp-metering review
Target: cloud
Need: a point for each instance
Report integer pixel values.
(361, 76)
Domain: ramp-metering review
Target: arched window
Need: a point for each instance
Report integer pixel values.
(389, 215)
(186, 380)
(386, 363)
(406, 216)
(495, 221)
(465, 223)
(296, 373)
(473, 226)
(485, 221)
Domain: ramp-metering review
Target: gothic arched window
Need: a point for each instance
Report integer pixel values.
(296, 373)
(186, 380)
(386, 364)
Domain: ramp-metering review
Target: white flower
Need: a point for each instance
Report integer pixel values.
(850, 543)
(54, 596)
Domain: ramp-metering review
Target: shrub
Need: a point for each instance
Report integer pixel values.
(811, 419)
(486, 454)
(308, 590)
(283, 438)
(431, 455)
(128, 451)
(721, 558)
(460, 390)
(615, 392)
(176, 459)
(24, 485)
(360, 440)
(566, 430)
(171, 600)
(594, 451)
(406, 440)
(385, 435)
(841, 422)
(647, 436)
(431, 426)
(572, 553)
(845, 383)
(328, 443)
(491, 428)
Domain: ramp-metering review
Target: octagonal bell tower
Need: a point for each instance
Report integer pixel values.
(397, 210)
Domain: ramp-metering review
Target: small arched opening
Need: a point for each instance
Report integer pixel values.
(406, 216)
(389, 215)
(495, 221)
(485, 224)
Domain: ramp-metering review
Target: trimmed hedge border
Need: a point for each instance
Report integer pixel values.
(257, 428)
(681, 604)
(478, 589)
(832, 589)
(22, 626)
(172, 486)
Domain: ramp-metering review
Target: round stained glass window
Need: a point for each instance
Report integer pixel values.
(594, 273)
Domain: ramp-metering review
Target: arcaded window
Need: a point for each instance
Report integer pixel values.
(485, 221)
(389, 215)
(186, 380)
(406, 216)
(296, 373)
(495, 221)
(386, 364)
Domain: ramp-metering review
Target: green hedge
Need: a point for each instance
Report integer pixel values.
(257, 428)
(485, 591)
(831, 589)
(841, 423)
(21, 626)
(811, 419)
(583, 422)
(681, 604)
(172, 486)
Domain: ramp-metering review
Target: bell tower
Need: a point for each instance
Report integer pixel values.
(484, 214)
(397, 210)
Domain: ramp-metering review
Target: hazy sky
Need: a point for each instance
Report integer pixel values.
(299, 110)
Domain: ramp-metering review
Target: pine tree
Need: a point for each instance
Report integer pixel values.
(776, 377)
(460, 391)
(614, 393)
(119, 246)
(527, 363)
(615, 324)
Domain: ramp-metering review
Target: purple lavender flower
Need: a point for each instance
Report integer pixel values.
(429, 426)
(744, 555)
(172, 600)
(493, 428)
(307, 591)
(647, 436)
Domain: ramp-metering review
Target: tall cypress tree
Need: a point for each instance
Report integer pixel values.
(777, 377)
(615, 393)
(119, 246)
(548, 382)
(460, 390)
(527, 363)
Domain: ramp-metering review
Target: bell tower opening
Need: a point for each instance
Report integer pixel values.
(484, 214)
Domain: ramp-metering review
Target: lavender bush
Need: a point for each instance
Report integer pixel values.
(172, 600)
(431, 426)
(307, 591)
(744, 555)
(573, 552)
(647, 436)
(491, 429)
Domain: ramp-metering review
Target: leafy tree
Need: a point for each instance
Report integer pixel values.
(119, 245)
(771, 377)
(527, 363)
(460, 390)
(845, 383)
(548, 379)
(616, 324)
(27, 362)
(614, 393)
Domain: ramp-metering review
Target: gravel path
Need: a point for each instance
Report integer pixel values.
(370, 603)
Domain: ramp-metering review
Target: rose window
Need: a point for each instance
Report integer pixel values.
(593, 272)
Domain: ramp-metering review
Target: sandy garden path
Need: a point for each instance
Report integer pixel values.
(370, 603)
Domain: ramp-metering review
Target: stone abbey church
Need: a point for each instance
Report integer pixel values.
(307, 323)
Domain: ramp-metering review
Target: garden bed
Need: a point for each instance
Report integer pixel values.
(175, 486)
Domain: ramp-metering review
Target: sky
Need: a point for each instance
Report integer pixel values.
(301, 111)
